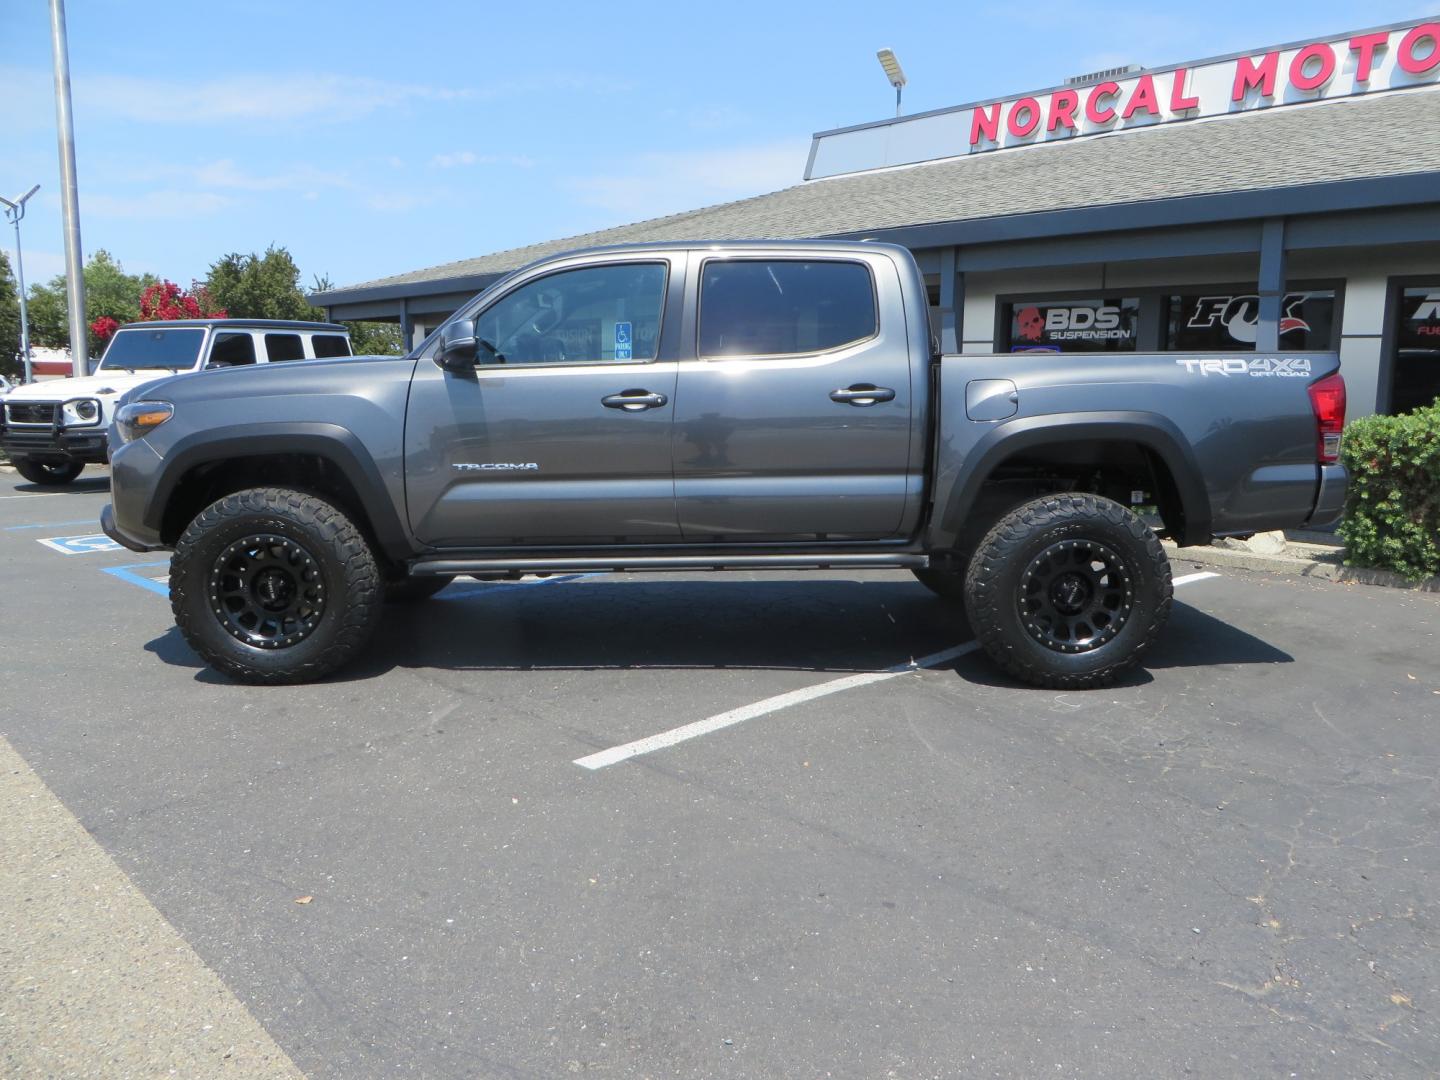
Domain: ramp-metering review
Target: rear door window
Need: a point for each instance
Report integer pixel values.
(328, 345)
(784, 307)
(232, 350)
(280, 347)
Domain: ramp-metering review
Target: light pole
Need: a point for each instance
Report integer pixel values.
(69, 193)
(14, 211)
(893, 72)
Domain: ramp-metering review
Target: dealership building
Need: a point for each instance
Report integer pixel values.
(1281, 199)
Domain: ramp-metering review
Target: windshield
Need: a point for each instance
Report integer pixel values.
(132, 350)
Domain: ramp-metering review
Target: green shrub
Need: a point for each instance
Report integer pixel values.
(1392, 510)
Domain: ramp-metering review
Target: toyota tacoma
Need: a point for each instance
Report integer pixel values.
(727, 406)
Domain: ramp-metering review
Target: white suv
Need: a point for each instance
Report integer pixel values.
(53, 429)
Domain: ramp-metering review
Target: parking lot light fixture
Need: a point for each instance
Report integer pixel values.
(894, 72)
(14, 211)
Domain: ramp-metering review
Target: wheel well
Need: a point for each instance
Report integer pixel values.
(1111, 468)
(313, 473)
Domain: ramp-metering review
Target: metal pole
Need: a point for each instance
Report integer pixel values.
(24, 313)
(69, 194)
(897, 101)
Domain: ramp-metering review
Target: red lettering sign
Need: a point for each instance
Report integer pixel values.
(1321, 72)
(1142, 98)
(1178, 101)
(1063, 104)
(1031, 110)
(983, 123)
(1364, 48)
(1405, 55)
(1094, 112)
(1249, 74)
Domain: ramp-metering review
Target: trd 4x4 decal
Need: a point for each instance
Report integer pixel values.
(1285, 367)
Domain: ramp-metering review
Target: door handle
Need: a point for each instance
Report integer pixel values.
(634, 400)
(862, 394)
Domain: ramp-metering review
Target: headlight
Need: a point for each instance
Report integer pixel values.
(139, 418)
(81, 411)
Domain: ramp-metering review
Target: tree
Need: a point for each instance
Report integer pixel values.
(259, 286)
(9, 320)
(110, 294)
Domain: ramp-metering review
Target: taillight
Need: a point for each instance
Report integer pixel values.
(1327, 398)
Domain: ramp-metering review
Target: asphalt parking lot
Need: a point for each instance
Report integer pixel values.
(1225, 867)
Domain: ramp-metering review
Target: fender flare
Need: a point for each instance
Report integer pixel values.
(335, 444)
(1152, 431)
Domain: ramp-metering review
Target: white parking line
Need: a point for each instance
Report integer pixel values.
(1188, 578)
(617, 754)
(684, 733)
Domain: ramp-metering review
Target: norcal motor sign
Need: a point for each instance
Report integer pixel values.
(1361, 62)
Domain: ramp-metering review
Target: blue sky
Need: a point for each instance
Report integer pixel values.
(373, 138)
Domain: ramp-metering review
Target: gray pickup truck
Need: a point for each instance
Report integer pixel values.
(729, 406)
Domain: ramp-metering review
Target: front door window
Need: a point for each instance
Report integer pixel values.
(594, 315)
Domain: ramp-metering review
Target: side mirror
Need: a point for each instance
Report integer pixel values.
(457, 346)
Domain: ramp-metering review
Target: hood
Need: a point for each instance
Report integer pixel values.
(116, 382)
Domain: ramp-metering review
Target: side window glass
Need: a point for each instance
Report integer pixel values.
(284, 347)
(328, 345)
(592, 315)
(784, 307)
(232, 350)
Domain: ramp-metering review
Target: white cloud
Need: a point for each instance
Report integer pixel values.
(276, 98)
(469, 157)
(155, 204)
(225, 174)
(667, 182)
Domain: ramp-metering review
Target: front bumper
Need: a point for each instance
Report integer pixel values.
(55, 445)
(110, 529)
(1330, 500)
(134, 473)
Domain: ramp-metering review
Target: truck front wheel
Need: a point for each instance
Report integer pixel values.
(40, 472)
(1068, 591)
(272, 586)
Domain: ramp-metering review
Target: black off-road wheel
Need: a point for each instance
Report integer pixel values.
(274, 586)
(42, 472)
(412, 590)
(1068, 591)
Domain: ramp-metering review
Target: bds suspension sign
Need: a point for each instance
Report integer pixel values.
(1363, 62)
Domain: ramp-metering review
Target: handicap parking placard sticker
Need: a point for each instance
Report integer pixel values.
(81, 545)
(622, 341)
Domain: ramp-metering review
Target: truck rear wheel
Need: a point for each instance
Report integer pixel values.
(1068, 591)
(272, 586)
(41, 472)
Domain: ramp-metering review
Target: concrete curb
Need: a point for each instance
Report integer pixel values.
(1302, 560)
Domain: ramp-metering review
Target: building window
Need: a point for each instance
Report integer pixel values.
(1107, 324)
(1415, 364)
(1226, 319)
(784, 307)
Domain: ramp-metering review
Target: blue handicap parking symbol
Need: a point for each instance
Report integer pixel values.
(80, 545)
(622, 341)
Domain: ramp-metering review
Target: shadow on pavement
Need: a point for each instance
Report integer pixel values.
(82, 485)
(648, 624)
